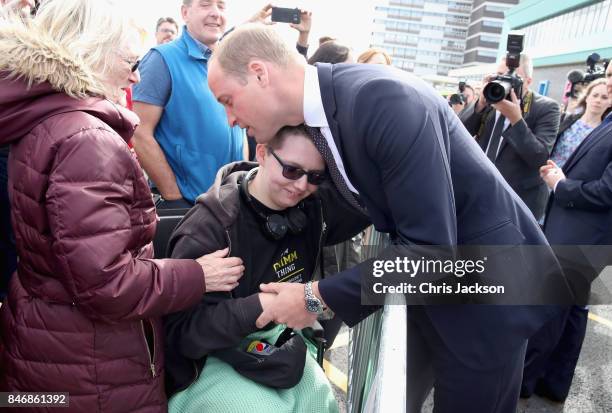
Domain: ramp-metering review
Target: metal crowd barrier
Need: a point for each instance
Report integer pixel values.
(377, 353)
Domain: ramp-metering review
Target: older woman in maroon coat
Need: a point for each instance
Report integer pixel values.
(82, 311)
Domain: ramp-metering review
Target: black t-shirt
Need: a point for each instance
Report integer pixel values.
(291, 259)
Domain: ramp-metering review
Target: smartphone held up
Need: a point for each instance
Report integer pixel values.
(286, 15)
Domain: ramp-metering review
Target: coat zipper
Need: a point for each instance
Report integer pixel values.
(193, 363)
(321, 235)
(144, 335)
(229, 242)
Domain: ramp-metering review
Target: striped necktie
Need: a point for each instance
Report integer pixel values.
(321, 143)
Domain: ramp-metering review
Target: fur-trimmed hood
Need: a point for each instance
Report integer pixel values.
(40, 78)
(30, 54)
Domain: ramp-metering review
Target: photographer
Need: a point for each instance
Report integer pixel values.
(468, 92)
(518, 133)
(457, 102)
(577, 81)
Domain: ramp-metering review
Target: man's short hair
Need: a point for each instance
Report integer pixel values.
(163, 20)
(248, 42)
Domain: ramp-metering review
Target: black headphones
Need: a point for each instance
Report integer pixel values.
(275, 226)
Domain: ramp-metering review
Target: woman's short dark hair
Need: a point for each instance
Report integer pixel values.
(330, 52)
(278, 140)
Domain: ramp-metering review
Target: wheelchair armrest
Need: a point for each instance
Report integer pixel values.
(317, 335)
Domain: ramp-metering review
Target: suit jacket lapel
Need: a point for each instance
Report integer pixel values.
(329, 102)
(595, 136)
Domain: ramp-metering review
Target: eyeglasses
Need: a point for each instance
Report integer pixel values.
(294, 173)
(135, 66)
(169, 31)
(132, 63)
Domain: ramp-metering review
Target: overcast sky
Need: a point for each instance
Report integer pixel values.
(348, 20)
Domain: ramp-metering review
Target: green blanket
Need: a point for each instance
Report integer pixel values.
(221, 389)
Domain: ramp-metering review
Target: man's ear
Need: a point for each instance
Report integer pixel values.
(260, 71)
(184, 12)
(261, 151)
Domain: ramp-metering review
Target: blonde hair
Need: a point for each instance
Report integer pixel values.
(368, 54)
(248, 42)
(90, 31)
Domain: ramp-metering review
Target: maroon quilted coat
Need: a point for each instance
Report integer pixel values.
(82, 314)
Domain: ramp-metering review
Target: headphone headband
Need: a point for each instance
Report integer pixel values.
(275, 225)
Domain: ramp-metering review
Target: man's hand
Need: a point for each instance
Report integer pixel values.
(266, 300)
(262, 16)
(288, 306)
(482, 103)
(510, 109)
(221, 273)
(551, 174)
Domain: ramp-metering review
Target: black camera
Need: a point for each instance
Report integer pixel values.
(456, 99)
(594, 70)
(499, 88)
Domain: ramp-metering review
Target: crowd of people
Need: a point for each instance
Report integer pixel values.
(279, 159)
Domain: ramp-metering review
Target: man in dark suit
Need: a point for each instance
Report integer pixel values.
(517, 136)
(395, 149)
(579, 214)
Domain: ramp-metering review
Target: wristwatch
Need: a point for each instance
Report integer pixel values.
(313, 304)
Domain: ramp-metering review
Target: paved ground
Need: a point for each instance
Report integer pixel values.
(591, 390)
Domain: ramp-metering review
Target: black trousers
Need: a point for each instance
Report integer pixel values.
(457, 387)
(552, 355)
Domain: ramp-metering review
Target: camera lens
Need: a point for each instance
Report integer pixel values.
(496, 91)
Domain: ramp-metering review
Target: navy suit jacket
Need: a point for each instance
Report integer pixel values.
(393, 133)
(580, 210)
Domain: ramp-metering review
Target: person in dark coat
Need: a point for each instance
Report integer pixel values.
(595, 106)
(236, 212)
(395, 150)
(517, 135)
(83, 309)
(579, 213)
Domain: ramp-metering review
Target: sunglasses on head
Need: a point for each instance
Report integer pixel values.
(294, 173)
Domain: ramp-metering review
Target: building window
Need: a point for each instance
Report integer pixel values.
(593, 19)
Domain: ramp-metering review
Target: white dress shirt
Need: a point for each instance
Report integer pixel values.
(314, 116)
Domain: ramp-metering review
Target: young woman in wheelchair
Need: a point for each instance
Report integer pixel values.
(276, 216)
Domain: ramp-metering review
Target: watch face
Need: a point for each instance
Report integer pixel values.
(313, 306)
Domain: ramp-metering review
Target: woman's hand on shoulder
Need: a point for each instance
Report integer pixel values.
(221, 273)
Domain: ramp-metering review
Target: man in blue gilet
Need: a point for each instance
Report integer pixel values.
(184, 137)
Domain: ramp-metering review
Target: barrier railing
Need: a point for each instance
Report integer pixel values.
(377, 353)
